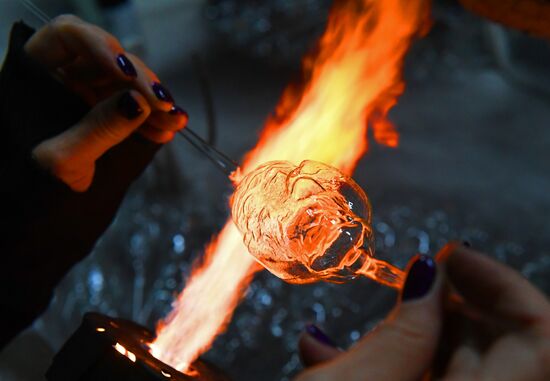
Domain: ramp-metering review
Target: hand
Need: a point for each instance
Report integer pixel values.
(502, 329)
(406, 346)
(126, 96)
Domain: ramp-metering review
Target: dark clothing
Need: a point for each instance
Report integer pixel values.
(45, 227)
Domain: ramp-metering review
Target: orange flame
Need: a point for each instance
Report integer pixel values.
(350, 82)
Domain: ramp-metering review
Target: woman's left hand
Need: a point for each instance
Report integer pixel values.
(401, 348)
(499, 330)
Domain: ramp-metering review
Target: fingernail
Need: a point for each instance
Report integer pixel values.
(129, 107)
(126, 66)
(420, 278)
(177, 110)
(466, 243)
(319, 335)
(162, 93)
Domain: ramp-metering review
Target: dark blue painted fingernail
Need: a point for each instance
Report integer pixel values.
(162, 93)
(319, 335)
(128, 106)
(420, 278)
(126, 66)
(177, 110)
(466, 244)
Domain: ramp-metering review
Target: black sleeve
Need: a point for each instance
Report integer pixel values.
(45, 227)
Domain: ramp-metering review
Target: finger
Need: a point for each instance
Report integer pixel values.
(93, 95)
(461, 328)
(67, 37)
(316, 347)
(46, 45)
(86, 71)
(110, 122)
(101, 93)
(156, 135)
(89, 81)
(517, 357)
(147, 83)
(495, 288)
(71, 155)
(402, 348)
(464, 364)
(174, 120)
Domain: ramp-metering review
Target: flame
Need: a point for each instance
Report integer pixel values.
(207, 302)
(350, 82)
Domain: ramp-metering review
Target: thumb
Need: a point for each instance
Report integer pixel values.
(71, 155)
(315, 347)
(109, 123)
(403, 347)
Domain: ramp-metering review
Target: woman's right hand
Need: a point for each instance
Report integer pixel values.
(125, 96)
(500, 332)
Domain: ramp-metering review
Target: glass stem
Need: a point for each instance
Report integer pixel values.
(384, 273)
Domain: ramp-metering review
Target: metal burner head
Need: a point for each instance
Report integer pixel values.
(110, 349)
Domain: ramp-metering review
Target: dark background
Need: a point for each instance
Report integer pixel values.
(473, 164)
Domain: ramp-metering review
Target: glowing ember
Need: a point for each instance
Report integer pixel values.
(307, 223)
(351, 82)
(123, 351)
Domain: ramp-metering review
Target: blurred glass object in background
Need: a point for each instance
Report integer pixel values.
(277, 31)
(524, 60)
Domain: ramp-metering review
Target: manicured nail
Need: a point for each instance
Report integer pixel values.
(126, 66)
(466, 243)
(177, 110)
(162, 93)
(129, 107)
(319, 335)
(420, 278)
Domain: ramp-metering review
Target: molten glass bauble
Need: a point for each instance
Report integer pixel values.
(307, 223)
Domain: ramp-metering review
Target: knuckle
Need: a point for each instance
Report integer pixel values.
(63, 171)
(65, 22)
(54, 155)
(61, 166)
(107, 39)
(105, 129)
(410, 333)
(71, 170)
(51, 157)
